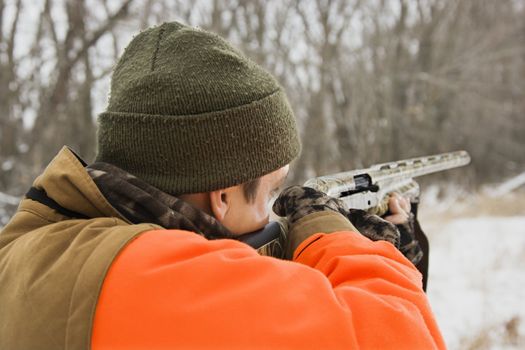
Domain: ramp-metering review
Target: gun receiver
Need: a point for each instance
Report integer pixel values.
(366, 189)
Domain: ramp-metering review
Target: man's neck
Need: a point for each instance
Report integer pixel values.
(198, 200)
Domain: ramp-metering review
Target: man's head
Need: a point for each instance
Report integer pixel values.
(190, 114)
(242, 208)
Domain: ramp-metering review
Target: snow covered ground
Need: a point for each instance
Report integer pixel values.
(477, 270)
(477, 281)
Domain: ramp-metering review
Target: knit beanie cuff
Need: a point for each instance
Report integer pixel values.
(201, 152)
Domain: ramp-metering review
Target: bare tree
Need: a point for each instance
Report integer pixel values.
(368, 80)
(54, 126)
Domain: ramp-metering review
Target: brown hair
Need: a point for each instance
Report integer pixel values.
(250, 189)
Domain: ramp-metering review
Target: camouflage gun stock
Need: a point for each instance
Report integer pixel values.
(366, 189)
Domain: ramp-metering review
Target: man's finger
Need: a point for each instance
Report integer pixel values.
(394, 206)
(399, 216)
(405, 204)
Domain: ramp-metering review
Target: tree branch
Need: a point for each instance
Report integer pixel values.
(97, 34)
(12, 34)
(2, 7)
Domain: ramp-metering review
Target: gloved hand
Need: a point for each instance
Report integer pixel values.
(408, 244)
(374, 227)
(401, 235)
(401, 215)
(296, 202)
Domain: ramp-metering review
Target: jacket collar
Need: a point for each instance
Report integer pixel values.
(66, 181)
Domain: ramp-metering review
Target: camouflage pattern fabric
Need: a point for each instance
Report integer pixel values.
(409, 246)
(140, 202)
(373, 226)
(296, 202)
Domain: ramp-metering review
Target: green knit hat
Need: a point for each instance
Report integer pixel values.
(189, 113)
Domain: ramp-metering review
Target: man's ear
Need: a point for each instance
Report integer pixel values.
(219, 203)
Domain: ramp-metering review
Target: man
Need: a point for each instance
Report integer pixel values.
(135, 250)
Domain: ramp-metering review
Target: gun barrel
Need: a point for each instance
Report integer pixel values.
(335, 185)
(415, 167)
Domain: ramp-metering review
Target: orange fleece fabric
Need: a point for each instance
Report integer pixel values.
(175, 289)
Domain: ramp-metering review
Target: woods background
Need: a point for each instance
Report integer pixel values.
(370, 81)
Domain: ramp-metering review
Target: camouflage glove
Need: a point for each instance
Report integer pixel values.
(374, 227)
(401, 236)
(409, 246)
(296, 202)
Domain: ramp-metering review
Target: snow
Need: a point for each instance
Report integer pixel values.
(477, 282)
